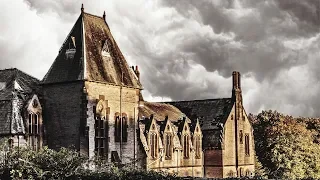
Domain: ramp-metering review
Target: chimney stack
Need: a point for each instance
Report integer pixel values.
(137, 72)
(236, 81)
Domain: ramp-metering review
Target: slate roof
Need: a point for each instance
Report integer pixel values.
(91, 33)
(210, 112)
(160, 111)
(13, 84)
(8, 77)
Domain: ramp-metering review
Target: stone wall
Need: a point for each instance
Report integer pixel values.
(129, 106)
(62, 114)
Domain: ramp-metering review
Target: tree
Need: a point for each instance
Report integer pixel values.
(285, 147)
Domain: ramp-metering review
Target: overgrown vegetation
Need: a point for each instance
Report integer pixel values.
(286, 147)
(23, 163)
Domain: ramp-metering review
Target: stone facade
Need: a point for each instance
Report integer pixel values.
(91, 101)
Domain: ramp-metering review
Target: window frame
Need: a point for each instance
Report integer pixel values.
(186, 146)
(168, 146)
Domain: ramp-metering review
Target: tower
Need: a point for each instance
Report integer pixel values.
(91, 94)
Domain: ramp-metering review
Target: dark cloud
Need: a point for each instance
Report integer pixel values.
(188, 49)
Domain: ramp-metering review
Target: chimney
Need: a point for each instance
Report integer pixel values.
(137, 72)
(236, 83)
(104, 15)
(236, 87)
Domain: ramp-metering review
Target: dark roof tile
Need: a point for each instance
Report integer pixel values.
(91, 33)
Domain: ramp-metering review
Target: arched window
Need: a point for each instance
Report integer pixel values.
(124, 128)
(198, 147)
(154, 145)
(186, 146)
(168, 146)
(118, 130)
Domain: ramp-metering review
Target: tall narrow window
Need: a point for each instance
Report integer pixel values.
(30, 124)
(35, 124)
(168, 146)
(241, 137)
(247, 144)
(186, 146)
(197, 145)
(33, 131)
(100, 137)
(118, 130)
(124, 129)
(153, 145)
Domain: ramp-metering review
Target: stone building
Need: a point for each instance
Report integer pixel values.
(20, 109)
(90, 100)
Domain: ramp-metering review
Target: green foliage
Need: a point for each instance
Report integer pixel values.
(23, 163)
(285, 146)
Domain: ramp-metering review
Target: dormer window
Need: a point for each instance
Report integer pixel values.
(105, 49)
(2, 85)
(71, 51)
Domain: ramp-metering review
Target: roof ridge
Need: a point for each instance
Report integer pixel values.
(195, 100)
(19, 71)
(93, 15)
(8, 69)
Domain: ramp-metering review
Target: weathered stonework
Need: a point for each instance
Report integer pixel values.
(90, 88)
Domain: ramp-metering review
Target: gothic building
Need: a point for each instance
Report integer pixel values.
(90, 100)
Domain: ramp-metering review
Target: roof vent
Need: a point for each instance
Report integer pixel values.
(71, 51)
(2, 85)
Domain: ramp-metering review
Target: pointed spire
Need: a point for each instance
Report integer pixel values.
(82, 9)
(104, 15)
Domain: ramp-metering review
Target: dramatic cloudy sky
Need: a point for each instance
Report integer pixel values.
(187, 49)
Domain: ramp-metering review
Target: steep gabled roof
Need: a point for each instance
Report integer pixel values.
(14, 84)
(14, 79)
(91, 35)
(210, 112)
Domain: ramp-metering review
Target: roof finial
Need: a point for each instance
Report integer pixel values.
(104, 15)
(82, 9)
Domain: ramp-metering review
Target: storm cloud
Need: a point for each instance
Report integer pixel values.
(187, 49)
